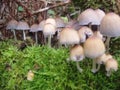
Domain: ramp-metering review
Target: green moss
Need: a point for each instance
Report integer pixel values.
(52, 71)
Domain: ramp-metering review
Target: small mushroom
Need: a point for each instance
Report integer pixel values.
(23, 26)
(110, 27)
(69, 36)
(30, 75)
(102, 60)
(35, 28)
(111, 65)
(93, 48)
(77, 54)
(12, 24)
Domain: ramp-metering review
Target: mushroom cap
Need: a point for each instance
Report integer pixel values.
(77, 53)
(88, 16)
(111, 64)
(49, 29)
(100, 13)
(41, 25)
(110, 25)
(34, 28)
(69, 36)
(103, 59)
(94, 47)
(51, 21)
(12, 24)
(22, 25)
(83, 31)
(60, 22)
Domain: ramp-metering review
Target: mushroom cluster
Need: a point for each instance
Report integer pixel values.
(91, 39)
(85, 36)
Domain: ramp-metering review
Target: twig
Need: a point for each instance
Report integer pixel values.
(47, 8)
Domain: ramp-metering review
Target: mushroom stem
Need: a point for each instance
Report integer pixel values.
(15, 38)
(98, 68)
(78, 67)
(108, 73)
(36, 38)
(24, 36)
(49, 40)
(107, 43)
(94, 66)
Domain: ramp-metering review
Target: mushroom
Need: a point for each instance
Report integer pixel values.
(12, 24)
(48, 31)
(77, 54)
(111, 65)
(110, 27)
(102, 60)
(84, 32)
(30, 75)
(69, 36)
(93, 48)
(35, 28)
(22, 25)
(88, 17)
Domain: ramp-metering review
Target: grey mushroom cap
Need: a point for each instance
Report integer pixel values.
(60, 22)
(110, 25)
(100, 13)
(22, 26)
(12, 24)
(34, 28)
(88, 16)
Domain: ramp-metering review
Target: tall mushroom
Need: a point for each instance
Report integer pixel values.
(77, 54)
(93, 48)
(48, 31)
(12, 24)
(35, 28)
(22, 25)
(110, 27)
(88, 17)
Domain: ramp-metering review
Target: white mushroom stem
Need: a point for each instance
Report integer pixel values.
(108, 73)
(36, 38)
(49, 40)
(94, 66)
(78, 67)
(24, 36)
(98, 67)
(14, 34)
(107, 43)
